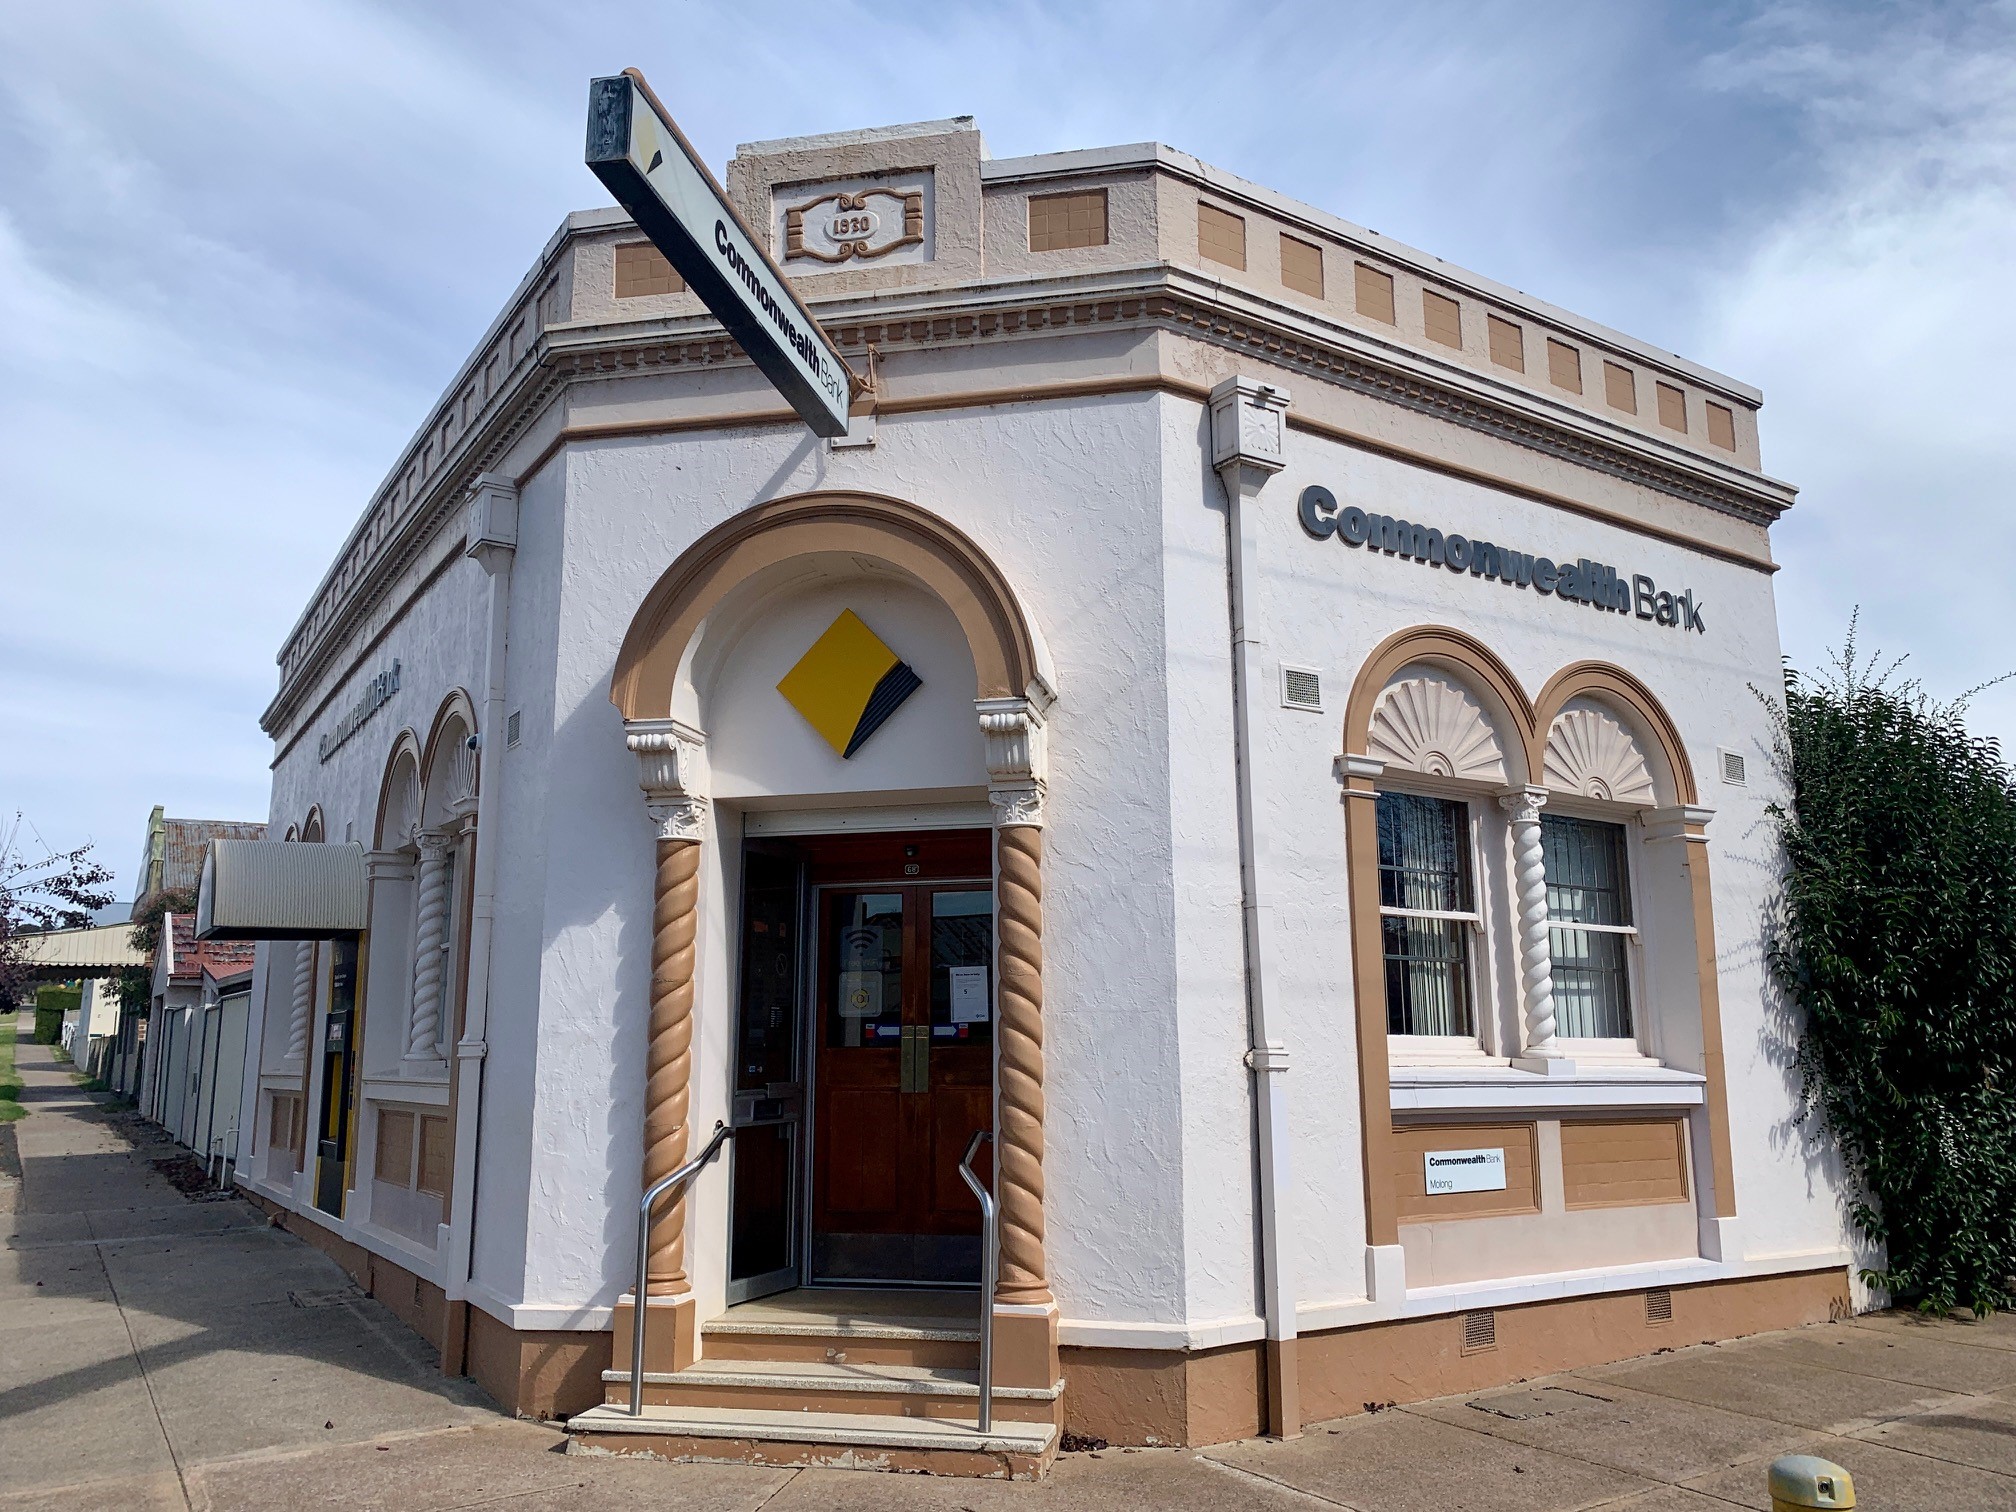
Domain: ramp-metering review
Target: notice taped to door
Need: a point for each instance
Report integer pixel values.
(1451, 1171)
(969, 994)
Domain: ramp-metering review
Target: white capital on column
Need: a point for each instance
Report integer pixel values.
(1017, 759)
(670, 770)
(1529, 886)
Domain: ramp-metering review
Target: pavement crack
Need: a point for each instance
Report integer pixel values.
(146, 1380)
(776, 1491)
(1240, 1472)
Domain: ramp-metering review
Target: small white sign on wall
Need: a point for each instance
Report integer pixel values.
(1451, 1171)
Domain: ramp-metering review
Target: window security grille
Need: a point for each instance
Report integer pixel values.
(1301, 688)
(1480, 1332)
(1659, 1305)
(1734, 770)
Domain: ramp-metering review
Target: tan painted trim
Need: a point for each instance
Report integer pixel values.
(1715, 1093)
(945, 559)
(1611, 684)
(539, 1374)
(1526, 722)
(1142, 1396)
(457, 704)
(1479, 668)
(1093, 388)
(1332, 432)
(1623, 1162)
(1368, 973)
(1521, 1143)
(405, 743)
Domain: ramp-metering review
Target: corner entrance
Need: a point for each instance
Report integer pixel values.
(867, 1060)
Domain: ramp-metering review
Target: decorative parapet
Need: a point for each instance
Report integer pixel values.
(523, 363)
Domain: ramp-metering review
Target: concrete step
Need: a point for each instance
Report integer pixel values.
(849, 1328)
(846, 1441)
(896, 1391)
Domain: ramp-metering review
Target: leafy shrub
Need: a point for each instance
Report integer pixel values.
(51, 1003)
(1896, 936)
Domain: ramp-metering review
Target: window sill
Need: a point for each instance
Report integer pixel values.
(415, 1093)
(1495, 1088)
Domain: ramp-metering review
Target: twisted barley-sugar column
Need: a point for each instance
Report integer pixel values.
(1019, 1143)
(1529, 886)
(668, 1065)
(424, 1031)
(301, 1009)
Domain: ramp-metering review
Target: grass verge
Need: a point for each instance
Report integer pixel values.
(10, 1083)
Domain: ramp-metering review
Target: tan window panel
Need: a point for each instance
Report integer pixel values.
(1564, 366)
(1221, 236)
(1058, 222)
(1623, 1162)
(436, 1151)
(1508, 343)
(642, 269)
(1411, 1142)
(1301, 266)
(1722, 425)
(1620, 387)
(1672, 407)
(1375, 293)
(1443, 318)
(394, 1164)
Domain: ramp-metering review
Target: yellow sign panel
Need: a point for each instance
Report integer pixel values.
(848, 684)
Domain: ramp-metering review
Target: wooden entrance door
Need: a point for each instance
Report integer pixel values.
(904, 1027)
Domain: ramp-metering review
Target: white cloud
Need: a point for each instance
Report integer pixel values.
(1873, 309)
(241, 247)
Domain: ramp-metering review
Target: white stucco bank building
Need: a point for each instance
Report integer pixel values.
(1254, 716)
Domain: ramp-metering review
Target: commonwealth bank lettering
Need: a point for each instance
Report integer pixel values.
(373, 698)
(1581, 581)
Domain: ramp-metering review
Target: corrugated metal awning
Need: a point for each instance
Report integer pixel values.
(97, 951)
(281, 890)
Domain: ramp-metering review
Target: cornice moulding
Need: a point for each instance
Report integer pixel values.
(1147, 296)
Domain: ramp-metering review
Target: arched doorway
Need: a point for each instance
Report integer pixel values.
(858, 651)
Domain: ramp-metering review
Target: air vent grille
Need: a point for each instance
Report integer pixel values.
(512, 727)
(1659, 1305)
(1735, 770)
(1480, 1332)
(1301, 688)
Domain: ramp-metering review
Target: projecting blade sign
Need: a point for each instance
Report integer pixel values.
(643, 159)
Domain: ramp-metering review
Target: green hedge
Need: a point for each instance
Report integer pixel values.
(51, 1003)
(1896, 940)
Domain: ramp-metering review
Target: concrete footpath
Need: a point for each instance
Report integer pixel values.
(160, 1351)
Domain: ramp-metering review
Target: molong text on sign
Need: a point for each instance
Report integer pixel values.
(1581, 581)
(643, 159)
(1446, 1172)
(373, 698)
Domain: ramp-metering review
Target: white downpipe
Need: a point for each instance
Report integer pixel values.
(492, 541)
(1246, 427)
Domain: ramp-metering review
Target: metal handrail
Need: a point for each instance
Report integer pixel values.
(990, 1264)
(641, 1309)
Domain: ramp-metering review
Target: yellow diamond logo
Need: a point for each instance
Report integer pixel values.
(848, 684)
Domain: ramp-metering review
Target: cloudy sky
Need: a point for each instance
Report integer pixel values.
(242, 245)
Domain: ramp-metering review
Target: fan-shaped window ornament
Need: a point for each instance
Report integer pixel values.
(1590, 752)
(1433, 725)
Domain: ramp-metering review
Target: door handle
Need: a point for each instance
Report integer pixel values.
(914, 1068)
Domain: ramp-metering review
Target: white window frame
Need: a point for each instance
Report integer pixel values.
(1635, 1047)
(1480, 1045)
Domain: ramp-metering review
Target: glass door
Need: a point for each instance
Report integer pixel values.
(765, 1154)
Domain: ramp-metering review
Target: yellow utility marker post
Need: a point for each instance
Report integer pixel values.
(1800, 1482)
